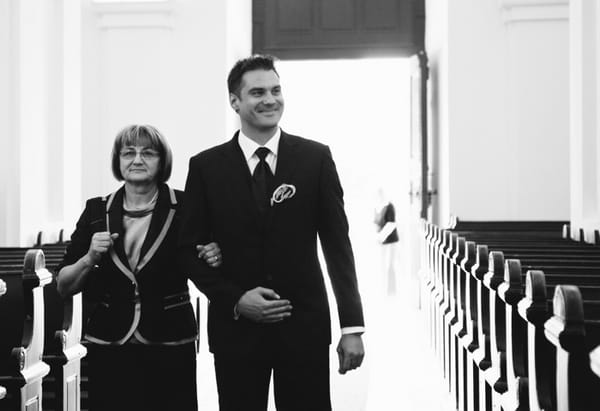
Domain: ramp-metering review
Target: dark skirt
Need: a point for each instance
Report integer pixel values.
(142, 377)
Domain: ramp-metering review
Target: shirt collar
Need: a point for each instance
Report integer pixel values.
(249, 146)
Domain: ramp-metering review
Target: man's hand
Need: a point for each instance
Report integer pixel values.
(211, 253)
(350, 352)
(101, 242)
(263, 305)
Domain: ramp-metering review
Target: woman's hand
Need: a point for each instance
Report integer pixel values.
(211, 254)
(101, 242)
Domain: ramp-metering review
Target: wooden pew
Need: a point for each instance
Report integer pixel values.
(519, 352)
(463, 294)
(63, 350)
(513, 291)
(432, 288)
(21, 348)
(62, 334)
(2, 292)
(503, 357)
(536, 308)
(574, 330)
(470, 324)
(595, 361)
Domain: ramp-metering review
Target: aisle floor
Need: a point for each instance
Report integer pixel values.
(400, 370)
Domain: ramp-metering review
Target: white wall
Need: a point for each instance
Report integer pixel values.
(165, 64)
(73, 73)
(162, 64)
(499, 112)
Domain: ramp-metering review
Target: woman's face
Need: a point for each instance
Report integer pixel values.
(139, 164)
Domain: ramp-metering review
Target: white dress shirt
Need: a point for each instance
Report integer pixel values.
(249, 147)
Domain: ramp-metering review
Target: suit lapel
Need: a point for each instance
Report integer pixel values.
(287, 160)
(158, 219)
(115, 223)
(159, 216)
(161, 221)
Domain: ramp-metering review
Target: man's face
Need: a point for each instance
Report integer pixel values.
(260, 104)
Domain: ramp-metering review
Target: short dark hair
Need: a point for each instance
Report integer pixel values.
(138, 134)
(255, 62)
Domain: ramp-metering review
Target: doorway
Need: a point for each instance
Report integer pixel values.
(361, 110)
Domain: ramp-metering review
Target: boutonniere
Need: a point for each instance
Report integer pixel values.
(283, 192)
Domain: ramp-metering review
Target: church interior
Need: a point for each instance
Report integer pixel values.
(478, 119)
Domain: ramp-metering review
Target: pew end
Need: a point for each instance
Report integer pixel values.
(40, 357)
(25, 369)
(501, 351)
(572, 334)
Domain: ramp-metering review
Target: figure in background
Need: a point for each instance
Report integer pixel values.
(387, 236)
(138, 319)
(265, 196)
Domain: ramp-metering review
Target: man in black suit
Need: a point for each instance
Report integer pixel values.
(264, 196)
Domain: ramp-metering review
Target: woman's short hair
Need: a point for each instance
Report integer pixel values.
(143, 135)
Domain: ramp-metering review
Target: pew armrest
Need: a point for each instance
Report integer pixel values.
(595, 360)
(565, 329)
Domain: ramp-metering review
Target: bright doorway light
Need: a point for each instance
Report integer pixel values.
(129, 1)
(361, 109)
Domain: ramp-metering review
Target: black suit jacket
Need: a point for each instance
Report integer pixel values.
(154, 300)
(277, 251)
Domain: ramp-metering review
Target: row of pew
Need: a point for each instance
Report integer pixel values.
(40, 337)
(42, 356)
(513, 313)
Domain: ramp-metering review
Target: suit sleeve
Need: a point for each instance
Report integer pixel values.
(333, 233)
(195, 229)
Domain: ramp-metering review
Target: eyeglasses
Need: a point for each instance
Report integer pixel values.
(145, 154)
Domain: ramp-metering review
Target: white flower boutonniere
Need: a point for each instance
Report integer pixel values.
(283, 192)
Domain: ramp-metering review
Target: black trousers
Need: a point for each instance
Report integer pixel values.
(300, 379)
(142, 377)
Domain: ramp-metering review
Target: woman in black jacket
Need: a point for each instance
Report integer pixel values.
(138, 318)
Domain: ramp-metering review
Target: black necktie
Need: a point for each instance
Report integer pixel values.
(261, 179)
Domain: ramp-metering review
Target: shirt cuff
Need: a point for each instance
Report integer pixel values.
(353, 330)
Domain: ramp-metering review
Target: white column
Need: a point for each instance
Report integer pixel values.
(31, 129)
(9, 164)
(71, 114)
(584, 114)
